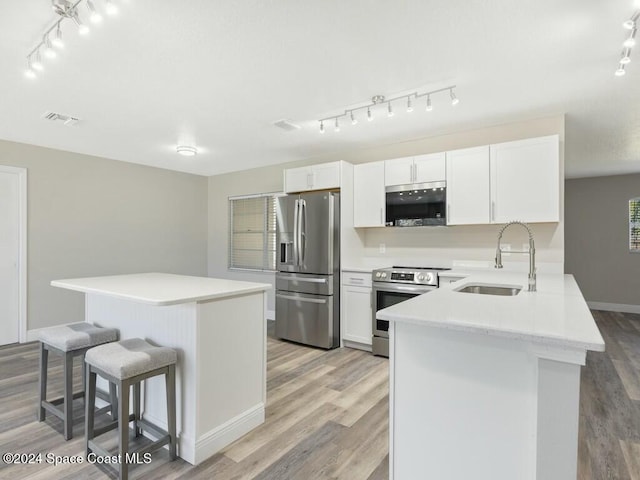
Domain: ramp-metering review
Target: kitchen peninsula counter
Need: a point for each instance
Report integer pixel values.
(218, 328)
(487, 386)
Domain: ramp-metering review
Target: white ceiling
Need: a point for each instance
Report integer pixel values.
(221, 72)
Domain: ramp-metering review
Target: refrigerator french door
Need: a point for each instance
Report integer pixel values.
(307, 282)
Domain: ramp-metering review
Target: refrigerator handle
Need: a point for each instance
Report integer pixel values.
(303, 231)
(296, 246)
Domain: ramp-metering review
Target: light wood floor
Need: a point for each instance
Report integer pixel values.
(327, 417)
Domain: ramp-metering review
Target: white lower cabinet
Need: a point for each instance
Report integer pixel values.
(356, 309)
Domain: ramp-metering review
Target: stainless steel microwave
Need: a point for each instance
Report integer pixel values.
(416, 205)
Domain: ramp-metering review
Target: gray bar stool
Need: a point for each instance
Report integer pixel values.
(69, 341)
(126, 363)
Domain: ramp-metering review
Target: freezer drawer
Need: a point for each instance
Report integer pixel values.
(306, 318)
(305, 283)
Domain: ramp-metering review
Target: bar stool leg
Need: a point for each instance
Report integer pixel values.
(170, 383)
(123, 428)
(68, 395)
(90, 401)
(44, 361)
(114, 401)
(136, 408)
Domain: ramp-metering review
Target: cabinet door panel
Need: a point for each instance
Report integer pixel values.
(356, 314)
(468, 199)
(326, 175)
(525, 180)
(430, 168)
(368, 195)
(297, 179)
(398, 171)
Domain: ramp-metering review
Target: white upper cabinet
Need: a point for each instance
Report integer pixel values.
(418, 169)
(368, 194)
(430, 168)
(468, 196)
(398, 171)
(313, 177)
(525, 180)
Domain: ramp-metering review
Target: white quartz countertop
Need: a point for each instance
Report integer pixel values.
(161, 288)
(556, 314)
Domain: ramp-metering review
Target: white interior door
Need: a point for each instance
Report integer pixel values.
(9, 258)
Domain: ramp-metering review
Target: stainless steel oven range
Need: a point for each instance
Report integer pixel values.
(394, 285)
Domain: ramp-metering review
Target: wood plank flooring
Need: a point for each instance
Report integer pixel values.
(327, 417)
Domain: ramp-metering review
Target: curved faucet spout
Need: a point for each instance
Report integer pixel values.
(531, 252)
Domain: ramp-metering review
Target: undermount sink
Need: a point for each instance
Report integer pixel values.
(484, 289)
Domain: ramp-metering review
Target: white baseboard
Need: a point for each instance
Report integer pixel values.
(218, 438)
(614, 307)
(271, 314)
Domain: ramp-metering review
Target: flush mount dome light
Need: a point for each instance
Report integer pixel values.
(186, 150)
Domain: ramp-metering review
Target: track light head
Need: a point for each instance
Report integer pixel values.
(626, 56)
(337, 125)
(36, 61)
(111, 8)
(354, 120)
(429, 106)
(94, 15)
(321, 126)
(49, 52)
(629, 24)
(389, 110)
(57, 38)
(620, 71)
(409, 105)
(631, 41)
(454, 100)
(30, 72)
(369, 115)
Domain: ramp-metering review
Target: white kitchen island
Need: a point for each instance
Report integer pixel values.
(218, 328)
(485, 386)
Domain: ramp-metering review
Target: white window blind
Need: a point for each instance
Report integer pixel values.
(252, 232)
(634, 225)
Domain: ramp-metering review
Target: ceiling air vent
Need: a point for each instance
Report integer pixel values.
(67, 120)
(286, 125)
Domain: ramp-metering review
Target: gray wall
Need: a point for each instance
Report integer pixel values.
(596, 238)
(92, 216)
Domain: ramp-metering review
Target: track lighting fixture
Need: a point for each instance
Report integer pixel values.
(429, 106)
(454, 99)
(52, 37)
(94, 15)
(379, 100)
(628, 43)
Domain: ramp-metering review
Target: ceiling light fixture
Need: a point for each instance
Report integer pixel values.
(186, 150)
(378, 100)
(66, 9)
(94, 15)
(629, 42)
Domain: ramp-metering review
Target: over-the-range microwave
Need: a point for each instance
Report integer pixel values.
(416, 205)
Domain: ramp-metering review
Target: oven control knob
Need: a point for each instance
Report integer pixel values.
(377, 274)
(384, 274)
(420, 277)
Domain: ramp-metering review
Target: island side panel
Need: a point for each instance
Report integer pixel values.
(558, 419)
(464, 405)
(232, 382)
(170, 326)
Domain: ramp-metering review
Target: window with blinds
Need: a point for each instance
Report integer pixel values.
(634, 225)
(252, 232)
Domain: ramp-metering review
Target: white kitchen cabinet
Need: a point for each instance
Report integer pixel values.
(368, 194)
(468, 181)
(430, 168)
(313, 177)
(356, 315)
(419, 169)
(525, 180)
(398, 171)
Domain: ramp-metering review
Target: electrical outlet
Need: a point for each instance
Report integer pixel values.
(383, 248)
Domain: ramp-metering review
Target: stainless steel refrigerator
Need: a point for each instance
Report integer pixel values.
(308, 277)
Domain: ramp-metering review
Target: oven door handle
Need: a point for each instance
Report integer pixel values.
(401, 288)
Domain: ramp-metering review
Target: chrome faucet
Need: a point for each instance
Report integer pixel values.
(531, 252)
